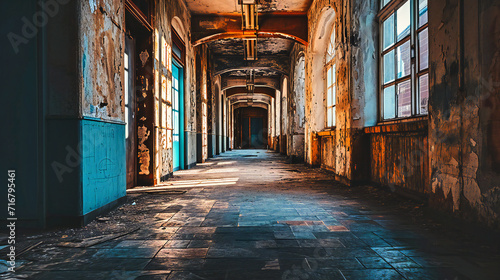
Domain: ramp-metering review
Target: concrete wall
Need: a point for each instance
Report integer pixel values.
(202, 95)
(72, 118)
(167, 12)
(464, 118)
(451, 156)
(296, 103)
(322, 17)
(102, 106)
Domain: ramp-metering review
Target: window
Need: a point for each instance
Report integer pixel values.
(404, 58)
(330, 70)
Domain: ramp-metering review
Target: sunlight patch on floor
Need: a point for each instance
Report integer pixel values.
(188, 184)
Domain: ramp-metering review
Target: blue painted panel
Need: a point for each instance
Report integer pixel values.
(178, 116)
(103, 164)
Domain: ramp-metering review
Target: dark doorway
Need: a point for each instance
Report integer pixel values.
(256, 136)
(245, 130)
(251, 128)
(130, 111)
(140, 104)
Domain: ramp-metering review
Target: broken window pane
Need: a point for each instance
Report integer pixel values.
(403, 56)
(403, 21)
(422, 12)
(423, 43)
(423, 85)
(404, 99)
(388, 32)
(389, 103)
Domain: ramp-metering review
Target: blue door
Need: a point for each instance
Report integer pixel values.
(177, 116)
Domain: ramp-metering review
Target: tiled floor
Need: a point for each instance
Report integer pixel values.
(250, 215)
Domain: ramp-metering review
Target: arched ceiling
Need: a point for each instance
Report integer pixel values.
(228, 81)
(281, 25)
(258, 90)
(256, 104)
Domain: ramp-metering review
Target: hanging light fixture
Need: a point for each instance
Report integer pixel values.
(249, 14)
(250, 82)
(250, 47)
(250, 87)
(249, 22)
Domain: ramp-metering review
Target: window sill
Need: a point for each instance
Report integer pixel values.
(404, 120)
(326, 132)
(412, 124)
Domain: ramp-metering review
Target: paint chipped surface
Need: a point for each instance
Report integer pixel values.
(102, 42)
(143, 155)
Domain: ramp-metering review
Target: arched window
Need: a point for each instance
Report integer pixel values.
(330, 71)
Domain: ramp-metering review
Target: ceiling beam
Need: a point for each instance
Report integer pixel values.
(223, 64)
(228, 82)
(255, 104)
(254, 97)
(207, 28)
(258, 90)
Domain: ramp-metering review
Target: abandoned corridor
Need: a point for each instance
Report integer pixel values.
(248, 214)
(155, 109)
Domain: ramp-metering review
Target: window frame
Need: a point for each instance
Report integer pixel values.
(385, 13)
(332, 63)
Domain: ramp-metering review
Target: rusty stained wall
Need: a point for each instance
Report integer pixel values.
(399, 157)
(166, 11)
(102, 45)
(296, 102)
(202, 84)
(321, 18)
(364, 62)
(398, 153)
(211, 105)
(464, 101)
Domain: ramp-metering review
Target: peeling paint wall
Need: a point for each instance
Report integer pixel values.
(168, 11)
(453, 155)
(102, 44)
(323, 16)
(202, 95)
(296, 103)
(464, 118)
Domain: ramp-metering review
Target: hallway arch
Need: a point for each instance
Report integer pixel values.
(242, 35)
(319, 48)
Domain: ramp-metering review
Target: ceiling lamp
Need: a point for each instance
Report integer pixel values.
(250, 48)
(249, 14)
(250, 82)
(249, 22)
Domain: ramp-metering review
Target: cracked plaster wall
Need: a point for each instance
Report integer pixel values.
(101, 74)
(464, 118)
